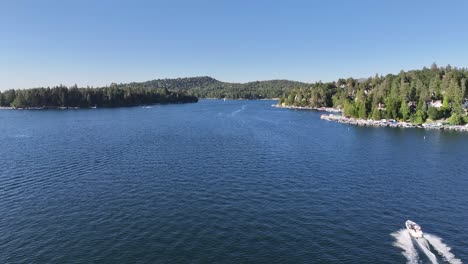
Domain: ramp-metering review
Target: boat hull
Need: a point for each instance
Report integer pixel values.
(414, 229)
(415, 234)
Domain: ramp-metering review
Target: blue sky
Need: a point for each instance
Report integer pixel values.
(45, 43)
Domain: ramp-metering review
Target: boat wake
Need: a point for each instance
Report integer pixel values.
(427, 245)
(424, 246)
(403, 240)
(238, 110)
(442, 248)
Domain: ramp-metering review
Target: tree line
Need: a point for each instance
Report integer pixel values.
(149, 92)
(430, 93)
(112, 96)
(207, 87)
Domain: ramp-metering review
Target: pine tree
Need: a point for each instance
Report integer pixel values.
(376, 115)
(404, 111)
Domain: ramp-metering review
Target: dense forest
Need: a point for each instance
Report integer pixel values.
(207, 87)
(180, 90)
(429, 94)
(112, 96)
(416, 96)
(251, 90)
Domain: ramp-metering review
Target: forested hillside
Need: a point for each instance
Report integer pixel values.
(417, 95)
(112, 96)
(207, 87)
(139, 93)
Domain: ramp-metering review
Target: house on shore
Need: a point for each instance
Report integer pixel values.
(412, 105)
(435, 103)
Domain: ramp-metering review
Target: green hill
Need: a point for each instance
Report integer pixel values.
(416, 95)
(207, 87)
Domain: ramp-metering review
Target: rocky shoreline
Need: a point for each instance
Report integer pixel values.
(390, 123)
(324, 109)
(43, 108)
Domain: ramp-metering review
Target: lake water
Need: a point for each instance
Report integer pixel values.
(225, 182)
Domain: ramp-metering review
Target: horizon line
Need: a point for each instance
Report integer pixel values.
(231, 82)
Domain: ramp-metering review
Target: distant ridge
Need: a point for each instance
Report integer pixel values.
(208, 87)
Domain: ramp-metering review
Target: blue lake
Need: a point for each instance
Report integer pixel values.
(225, 182)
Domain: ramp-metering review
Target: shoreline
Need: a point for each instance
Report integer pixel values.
(390, 123)
(46, 108)
(323, 109)
(79, 108)
(238, 99)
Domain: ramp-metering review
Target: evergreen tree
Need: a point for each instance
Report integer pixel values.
(404, 111)
(376, 115)
(420, 117)
(349, 109)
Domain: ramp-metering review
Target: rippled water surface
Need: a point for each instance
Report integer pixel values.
(222, 182)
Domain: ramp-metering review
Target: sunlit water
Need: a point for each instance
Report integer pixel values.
(224, 182)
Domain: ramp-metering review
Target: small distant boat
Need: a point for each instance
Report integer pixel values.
(93, 107)
(414, 229)
(224, 98)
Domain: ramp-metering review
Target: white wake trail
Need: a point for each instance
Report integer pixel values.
(404, 241)
(442, 248)
(234, 113)
(424, 245)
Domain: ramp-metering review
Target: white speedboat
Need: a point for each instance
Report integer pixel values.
(414, 229)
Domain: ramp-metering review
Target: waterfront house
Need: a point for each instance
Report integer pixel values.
(381, 106)
(436, 103)
(412, 105)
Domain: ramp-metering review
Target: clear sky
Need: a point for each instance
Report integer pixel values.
(90, 42)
